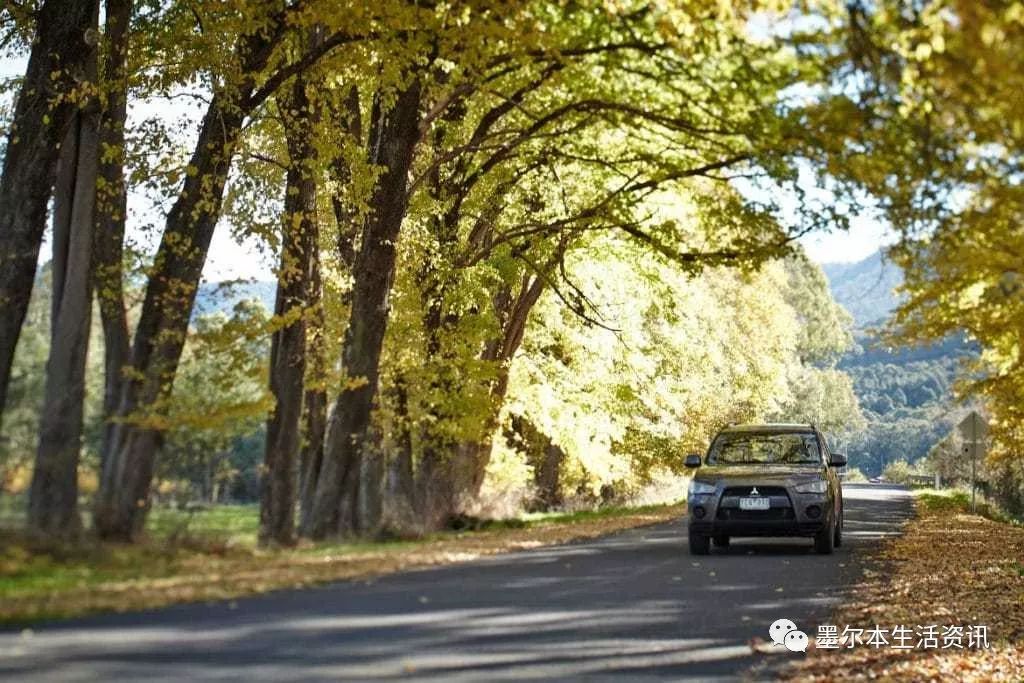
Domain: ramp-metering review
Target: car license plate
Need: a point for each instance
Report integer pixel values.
(759, 503)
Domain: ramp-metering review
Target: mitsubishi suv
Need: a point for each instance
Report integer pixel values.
(766, 480)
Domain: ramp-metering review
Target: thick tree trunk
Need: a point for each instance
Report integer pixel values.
(335, 507)
(123, 499)
(347, 118)
(61, 52)
(53, 497)
(315, 401)
(544, 456)
(111, 211)
(451, 476)
(401, 482)
(288, 347)
(469, 464)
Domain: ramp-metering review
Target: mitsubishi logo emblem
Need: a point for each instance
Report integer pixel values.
(754, 492)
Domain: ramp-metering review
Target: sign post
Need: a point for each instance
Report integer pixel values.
(973, 429)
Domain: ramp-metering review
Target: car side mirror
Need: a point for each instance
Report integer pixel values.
(693, 460)
(838, 460)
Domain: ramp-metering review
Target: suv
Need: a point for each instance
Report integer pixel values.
(766, 480)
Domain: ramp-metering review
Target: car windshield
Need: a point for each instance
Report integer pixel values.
(764, 448)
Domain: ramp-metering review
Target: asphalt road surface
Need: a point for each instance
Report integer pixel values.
(632, 605)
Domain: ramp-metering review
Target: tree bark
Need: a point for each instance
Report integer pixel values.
(447, 480)
(53, 496)
(315, 401)
(111, 209)
(123, 498)
(401, 481)
(544, 456)
(288, 346)
(392, 141)
(347, 118)
(471, 458)
(163, 324)
(58, 64)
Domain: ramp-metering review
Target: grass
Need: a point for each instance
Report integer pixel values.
(959, 500)
(238, 523)
(211, 554)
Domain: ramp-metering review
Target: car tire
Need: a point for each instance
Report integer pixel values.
(699, 544)
(825, 540)
(720, 541)
(837, 541)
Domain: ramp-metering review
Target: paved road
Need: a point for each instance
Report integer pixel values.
(627, 606)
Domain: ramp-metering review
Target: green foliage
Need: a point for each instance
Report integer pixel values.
(20, 434)
(900, 472)
(674, 359)
(941, 157)
(219, 401)
(947, 459)
(819, 393)
(906, 394)
(591, 151)
(854, 475)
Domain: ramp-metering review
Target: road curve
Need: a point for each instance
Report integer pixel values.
(627, 606)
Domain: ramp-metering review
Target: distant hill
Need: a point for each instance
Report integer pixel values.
(905, 393)
(865, 288)
(222, 297)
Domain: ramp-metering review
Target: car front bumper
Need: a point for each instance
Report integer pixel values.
(790, 514)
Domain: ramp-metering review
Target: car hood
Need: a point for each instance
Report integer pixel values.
(764, 473)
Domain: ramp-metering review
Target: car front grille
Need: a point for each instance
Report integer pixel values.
(769, 515)
(761, 490)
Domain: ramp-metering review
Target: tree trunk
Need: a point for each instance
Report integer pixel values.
(469, 463)
(369, 506)
(123, 499)
(544, 456)
(401, 484)
(335, 507)
(315, 402)
(288, 346)
(53, 497)
(111, 210)
(348, 119)
(61, 52)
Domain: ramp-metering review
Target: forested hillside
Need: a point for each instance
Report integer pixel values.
(905, 392)
(865, 288)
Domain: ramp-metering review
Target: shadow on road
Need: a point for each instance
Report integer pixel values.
(632, 605)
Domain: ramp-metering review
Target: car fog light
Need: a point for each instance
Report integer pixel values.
(699, 512)
(813, 511)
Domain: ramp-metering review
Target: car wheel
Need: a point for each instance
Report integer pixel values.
(721, 541)
(838, 539)
(699, 544)
(825, 540)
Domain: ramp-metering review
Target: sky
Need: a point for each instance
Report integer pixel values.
(864, 238)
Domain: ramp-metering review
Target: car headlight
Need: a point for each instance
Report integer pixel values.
(819, 486)
(699, 487)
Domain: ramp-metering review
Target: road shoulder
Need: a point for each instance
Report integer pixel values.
(124, 579)
(948, 569)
